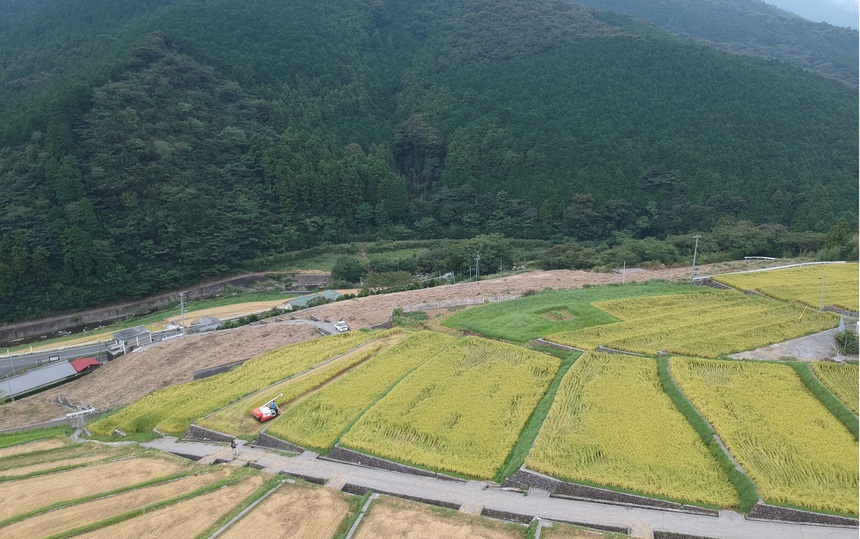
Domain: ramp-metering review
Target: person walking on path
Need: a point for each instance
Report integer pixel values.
(235, 445)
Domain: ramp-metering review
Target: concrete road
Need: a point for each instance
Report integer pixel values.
(20, 362)
(474, 495)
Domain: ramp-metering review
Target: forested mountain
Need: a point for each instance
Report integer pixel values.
(752, 27)
(148, 144)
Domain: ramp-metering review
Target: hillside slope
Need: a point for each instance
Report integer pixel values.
(157, 143)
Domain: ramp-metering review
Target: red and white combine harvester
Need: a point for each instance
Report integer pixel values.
(268, 411)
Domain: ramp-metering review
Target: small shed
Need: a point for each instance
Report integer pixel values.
(131, 338)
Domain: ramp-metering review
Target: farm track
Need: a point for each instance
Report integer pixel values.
(478, 495)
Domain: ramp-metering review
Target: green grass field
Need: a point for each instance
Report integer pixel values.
(551, 312)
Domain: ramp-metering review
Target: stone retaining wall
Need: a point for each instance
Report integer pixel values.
(506, 515)
(358, 490)
(342, 454)
(201, 434)
(264, 440)
(763, 511)
(560, 489)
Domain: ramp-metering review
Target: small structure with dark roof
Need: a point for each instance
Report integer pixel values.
(207, 323)
(129, 339)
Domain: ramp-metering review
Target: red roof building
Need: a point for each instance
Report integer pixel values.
(85, 363)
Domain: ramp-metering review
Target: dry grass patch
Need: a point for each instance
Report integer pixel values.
(33, 468)
(185, 519)
(75, 516)
(293, 511)
(34, 493)
(392, 518)
(38, 445)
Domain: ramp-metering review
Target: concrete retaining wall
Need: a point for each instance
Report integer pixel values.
(763, 511)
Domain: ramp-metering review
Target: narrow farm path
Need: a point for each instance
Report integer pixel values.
(474, 495)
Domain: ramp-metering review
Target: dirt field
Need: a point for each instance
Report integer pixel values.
(563, 531)
(62, 520)
(228, 311)
(816, 347)
(130, 377)
(187, 518)
(28, 494)
(391, 518)
(293, 512)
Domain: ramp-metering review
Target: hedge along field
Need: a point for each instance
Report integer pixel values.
(611, 424)
(462, 411)
(531, 317)
(794, 449)
(174, 408)
(706, 324)
(841, 288)
(841, 380)
(319, 420)
(236, 418)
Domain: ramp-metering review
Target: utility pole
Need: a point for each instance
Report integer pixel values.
(182, 309)
(477, 267)
(821, 301)
(623, 272)
(695, 252)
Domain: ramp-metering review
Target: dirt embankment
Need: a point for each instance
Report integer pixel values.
(129, 378)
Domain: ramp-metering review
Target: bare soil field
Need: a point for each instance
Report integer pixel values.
(187, 518)
(25, 495)
(75, 516)
(816, 347)
(293, 512)
(130, 377)
(228, 311)
(564, 531)
(392, 518)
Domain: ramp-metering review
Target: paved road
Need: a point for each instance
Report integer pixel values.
(474, 495)
(22, 361)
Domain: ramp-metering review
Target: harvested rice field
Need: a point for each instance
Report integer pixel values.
(182, 520)
(392, 518)
(38, 445)
(84, 514)
(45, 490)
(293, 512)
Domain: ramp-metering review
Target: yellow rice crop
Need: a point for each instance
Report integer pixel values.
(803, 284)
(841, 380)
(173, 408)
(612, 424)
(794, 449)
(705, 324)
(462, 411)
(237, 419)
(318, 420)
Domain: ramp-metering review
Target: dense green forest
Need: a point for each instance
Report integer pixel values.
(752, 27)
(145, 145)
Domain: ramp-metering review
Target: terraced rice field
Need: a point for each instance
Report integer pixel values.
(706, 324)
(293, 512)
(794, 449)
(391, 517)
(174, 408)
(236, 419)
(803, 284)
(841, 380)
(318, 420)
(611, 424)
(460, 412)
(185, 519)
(45, 490)
(83, 514)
